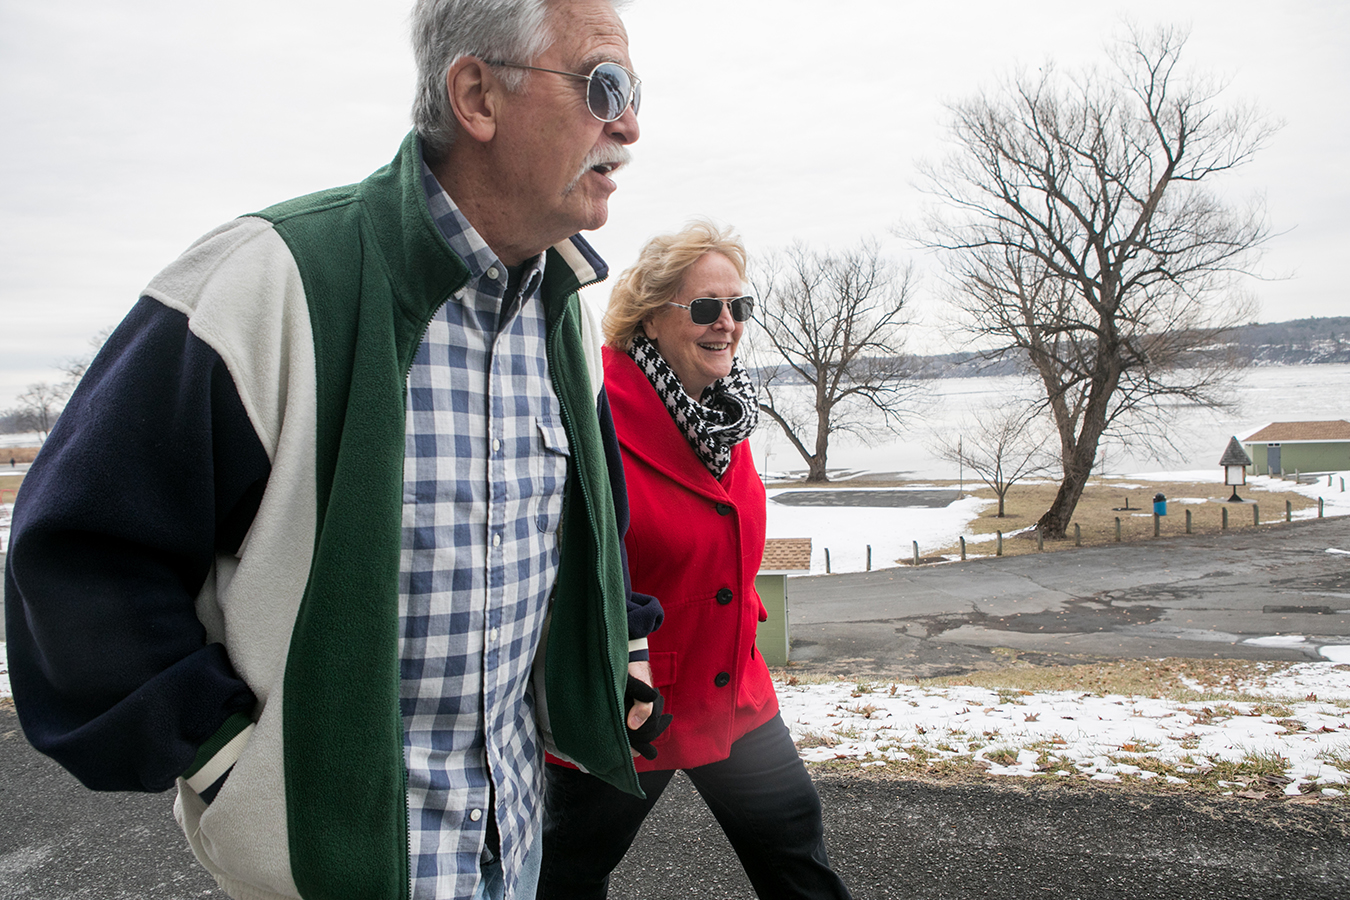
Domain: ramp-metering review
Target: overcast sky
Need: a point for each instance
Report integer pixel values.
(131, 128)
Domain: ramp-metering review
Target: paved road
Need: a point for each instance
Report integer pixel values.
(1197, 596)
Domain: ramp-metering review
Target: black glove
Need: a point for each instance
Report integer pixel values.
(641, 738)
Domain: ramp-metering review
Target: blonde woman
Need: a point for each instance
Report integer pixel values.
(683, 409)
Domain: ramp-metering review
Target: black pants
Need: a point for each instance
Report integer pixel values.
(760, 794)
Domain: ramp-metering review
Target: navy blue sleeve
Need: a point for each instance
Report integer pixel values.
(151, 470)
(644, 611)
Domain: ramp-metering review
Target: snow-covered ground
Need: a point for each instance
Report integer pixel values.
(1303, 730)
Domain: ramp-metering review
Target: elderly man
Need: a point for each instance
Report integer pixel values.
(330, 535)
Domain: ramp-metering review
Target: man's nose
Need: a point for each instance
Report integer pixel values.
(624, 129)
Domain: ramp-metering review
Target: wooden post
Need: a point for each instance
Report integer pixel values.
(916, 553)
(1224, 527)
(1117, 529)
(1040, 541)
(1188, 521)
(1077, 535)
(1319, 507)
(827, 560)
(869, 557)
(1156, 520)
(998, 544)
(1289, 510)
(1256, 514)
(963, 548)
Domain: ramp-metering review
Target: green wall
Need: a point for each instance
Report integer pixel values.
(772, 636)
(1313, 456)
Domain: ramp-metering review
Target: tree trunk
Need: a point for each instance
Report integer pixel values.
(1055, 523)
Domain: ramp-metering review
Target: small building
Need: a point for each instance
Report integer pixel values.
(1322, 446)
(782, 557)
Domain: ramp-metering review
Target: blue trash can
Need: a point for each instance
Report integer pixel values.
(1159, 505)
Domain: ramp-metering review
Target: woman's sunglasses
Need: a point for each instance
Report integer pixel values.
(707, 310)
(610, 88)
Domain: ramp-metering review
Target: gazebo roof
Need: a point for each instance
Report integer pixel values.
(1235, 455)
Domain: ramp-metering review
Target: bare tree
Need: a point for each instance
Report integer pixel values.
(1002, 445)
(39, 407)
(1079, 230)
(77, 366)
(831, 323)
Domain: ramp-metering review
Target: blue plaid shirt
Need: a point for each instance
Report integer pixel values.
(483, 480)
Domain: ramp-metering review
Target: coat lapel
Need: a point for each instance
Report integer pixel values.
(647, 431)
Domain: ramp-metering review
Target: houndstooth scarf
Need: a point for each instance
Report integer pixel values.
(724, 416)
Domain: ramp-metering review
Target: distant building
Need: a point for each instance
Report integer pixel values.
(1282, 447)
(782, 557)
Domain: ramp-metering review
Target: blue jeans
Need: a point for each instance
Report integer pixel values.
(491, 887)
(761, 795)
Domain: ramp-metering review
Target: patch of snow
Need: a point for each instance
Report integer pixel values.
(1278, 640)
(1337, 653)
(1104, 738)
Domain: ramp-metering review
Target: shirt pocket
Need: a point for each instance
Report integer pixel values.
(550, 472)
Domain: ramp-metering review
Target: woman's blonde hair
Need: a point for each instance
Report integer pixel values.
(654, 280)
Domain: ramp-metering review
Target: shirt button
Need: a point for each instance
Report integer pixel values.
(723, 509)
(496, 540)
(492, 273)
(492, 636)
(496, 445)
(722, 679)
(475, 814)
(724, 596)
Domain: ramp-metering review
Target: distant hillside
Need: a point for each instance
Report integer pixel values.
(1297, 342)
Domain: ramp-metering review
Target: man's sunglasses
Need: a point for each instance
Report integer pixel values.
(707, 310)
(610, 88)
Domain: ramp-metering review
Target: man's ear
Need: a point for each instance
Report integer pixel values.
(474, 92)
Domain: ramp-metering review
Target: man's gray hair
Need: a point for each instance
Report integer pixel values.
(445, 30)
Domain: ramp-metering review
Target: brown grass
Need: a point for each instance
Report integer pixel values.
(1103, 501)
(10, 479)
(20, 454)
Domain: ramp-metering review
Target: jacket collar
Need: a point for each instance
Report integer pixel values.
(422, 262)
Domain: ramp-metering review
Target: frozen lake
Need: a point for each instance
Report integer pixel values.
(1268, 394)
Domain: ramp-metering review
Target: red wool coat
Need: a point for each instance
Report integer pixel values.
(695, 543)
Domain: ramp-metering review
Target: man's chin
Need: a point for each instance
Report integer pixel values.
(595, 215)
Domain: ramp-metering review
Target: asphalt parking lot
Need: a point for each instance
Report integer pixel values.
(1200, 596)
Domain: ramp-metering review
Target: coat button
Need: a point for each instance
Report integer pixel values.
(723, 509)
(724, 596)
(722, 679)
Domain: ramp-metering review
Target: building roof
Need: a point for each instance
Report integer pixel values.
(786, 555)
(1325, 430)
